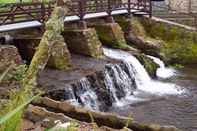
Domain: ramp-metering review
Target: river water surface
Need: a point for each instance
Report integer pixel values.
(180, 110)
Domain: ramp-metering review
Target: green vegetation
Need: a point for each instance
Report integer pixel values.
(112, 35)
(12, 110)
(179, 45)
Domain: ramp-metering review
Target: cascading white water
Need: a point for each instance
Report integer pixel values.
(110, 86)
(143, 81)
(121, 84)
(162, 71)
(87, 97)
(122, 80)
(69, 95)
(118, 83)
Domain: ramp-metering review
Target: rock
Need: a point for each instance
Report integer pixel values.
(9, 55)
(84, 41)
(149, 64)
(45, 117)
(136, 36)
(112, 35)
(57, 121)
(178, 41)
(101, 118)
(60, 56)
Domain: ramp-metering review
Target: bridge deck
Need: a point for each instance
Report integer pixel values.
(26, 15)
(29, 24)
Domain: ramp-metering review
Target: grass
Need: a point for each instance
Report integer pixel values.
(12, 111)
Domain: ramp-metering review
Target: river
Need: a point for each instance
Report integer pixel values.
(180, 110)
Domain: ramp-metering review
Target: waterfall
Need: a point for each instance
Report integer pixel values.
(110, 87)
(162, 71)
(142, 79)
(118, 84)
(85, 95)
(69, 95)
(81, 94)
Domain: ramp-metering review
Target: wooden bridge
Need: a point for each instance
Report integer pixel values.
(25, 15)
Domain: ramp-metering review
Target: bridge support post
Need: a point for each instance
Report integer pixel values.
(109, 19)
(82, 24)
(112, 35)
(84, 41)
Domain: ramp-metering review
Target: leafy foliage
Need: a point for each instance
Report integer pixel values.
(179, 44)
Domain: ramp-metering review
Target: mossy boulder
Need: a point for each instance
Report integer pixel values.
(179, 44)
(112, 35)
(84, 41)
(149, 64)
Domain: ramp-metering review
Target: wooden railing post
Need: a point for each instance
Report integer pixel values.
(150, 8)
(129, 7)
(81, 9)
(43, 12)
(82, 23)
(109, 7)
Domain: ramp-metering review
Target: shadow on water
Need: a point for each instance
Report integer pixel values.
(180, 111)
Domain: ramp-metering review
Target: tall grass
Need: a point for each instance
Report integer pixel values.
(11, 113)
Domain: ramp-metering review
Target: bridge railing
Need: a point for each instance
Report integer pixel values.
(20, 12)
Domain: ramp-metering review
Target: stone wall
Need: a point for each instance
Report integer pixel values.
(179, 42)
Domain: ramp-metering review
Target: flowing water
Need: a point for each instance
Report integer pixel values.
(175, 106)
(127, 87)
(162, 71)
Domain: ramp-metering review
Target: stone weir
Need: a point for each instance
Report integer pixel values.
(93, 85)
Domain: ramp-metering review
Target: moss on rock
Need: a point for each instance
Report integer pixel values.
(179, 44)
(112, 35)
(136, 35)
(149, 64)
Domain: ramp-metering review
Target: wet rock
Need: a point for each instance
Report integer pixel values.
(149, 64)
(101, 118)
(84, 41)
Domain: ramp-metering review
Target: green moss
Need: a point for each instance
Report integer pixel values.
(179, 45)
(111, 34)
(148, 63)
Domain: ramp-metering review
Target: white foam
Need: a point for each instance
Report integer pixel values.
(163, 71)
(142, 79)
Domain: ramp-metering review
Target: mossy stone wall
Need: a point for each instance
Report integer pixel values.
(179, 44)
